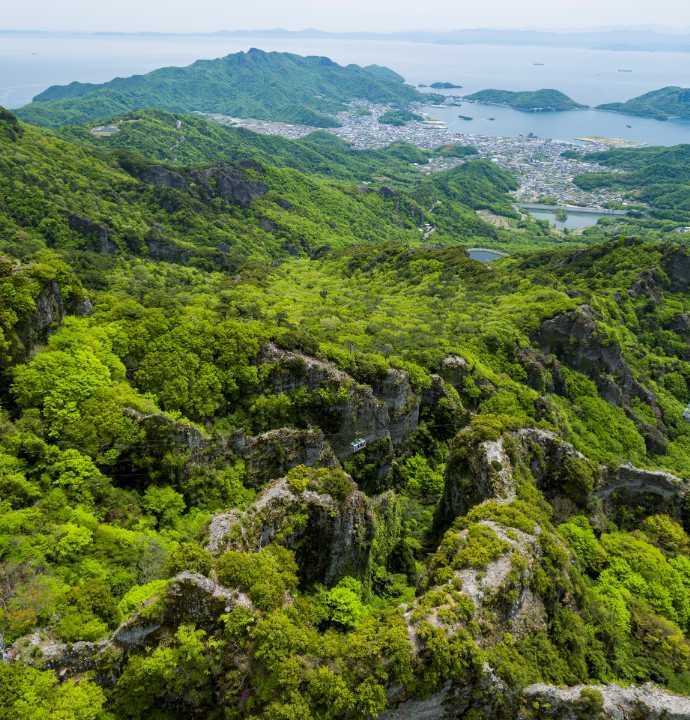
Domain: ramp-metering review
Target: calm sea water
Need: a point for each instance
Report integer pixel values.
(30, 63)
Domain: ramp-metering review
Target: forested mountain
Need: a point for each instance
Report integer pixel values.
(256, 84)
(192, 139)
(269, 449)
(536, 101)
(663, 104)
(658, 178)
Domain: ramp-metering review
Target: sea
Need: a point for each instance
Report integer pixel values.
(29, 63)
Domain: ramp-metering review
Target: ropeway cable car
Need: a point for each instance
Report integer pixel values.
(358, 444)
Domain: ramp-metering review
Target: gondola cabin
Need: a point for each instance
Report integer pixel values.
(686, 414)
(358, 445)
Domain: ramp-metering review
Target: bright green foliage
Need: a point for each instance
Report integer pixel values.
(266, 576)
(127, 429)
(421, 478)
(33, 695)
(399, 117)
(344, 604)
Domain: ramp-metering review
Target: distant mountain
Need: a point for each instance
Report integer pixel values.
(664, 104)
(537, 101)
(623, 39)
(257, 84)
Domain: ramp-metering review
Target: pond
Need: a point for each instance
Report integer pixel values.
(575, 220)
(485, 255)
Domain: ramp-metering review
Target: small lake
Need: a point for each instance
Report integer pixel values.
(485, 255)
(575, 220)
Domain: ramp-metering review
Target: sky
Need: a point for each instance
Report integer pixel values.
(337, 15)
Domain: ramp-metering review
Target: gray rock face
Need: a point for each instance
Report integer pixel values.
(220, 181)
(272, 454)
(575, 339)
(49, 313)
(661, 491)
(387, 411)
(617, 703)
(331, 538)
(454, 369)
(676, 263)
(266, 456)
(474, 477)
(98, 234)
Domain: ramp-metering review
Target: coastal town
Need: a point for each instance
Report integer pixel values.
(538, 163)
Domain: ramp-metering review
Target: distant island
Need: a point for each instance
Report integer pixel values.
(537, 101)
(399, 117)
(254, 84)
(665, 104)
(445, 86)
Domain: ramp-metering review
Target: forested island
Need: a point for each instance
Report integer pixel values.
(537, 101)
(665, 104)
(274, 447)
(445, 86)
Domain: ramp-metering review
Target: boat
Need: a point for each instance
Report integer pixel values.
(624, 70)
(538, 64)
(492, 119)
(628, 126)
(465, 117)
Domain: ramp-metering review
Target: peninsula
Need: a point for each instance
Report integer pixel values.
(254, 84)
(669, 103)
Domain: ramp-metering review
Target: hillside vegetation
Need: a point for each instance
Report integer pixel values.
(196, 341)
(657, 177)
(255, 84)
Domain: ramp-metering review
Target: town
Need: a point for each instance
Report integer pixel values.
(538, 163)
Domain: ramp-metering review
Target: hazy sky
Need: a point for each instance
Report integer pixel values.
(381, 15)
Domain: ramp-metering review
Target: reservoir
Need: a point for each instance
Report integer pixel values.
(575, 220)
(485, 255)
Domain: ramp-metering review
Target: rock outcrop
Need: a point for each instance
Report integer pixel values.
(676, 264)
(386, 410)
(187, 598)
(98, 234)
(603, 702)
(266, 456)
(34, 328)
(647, 491)
(472, 477)
(331, 536)
(223, 180)
(576, 340)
